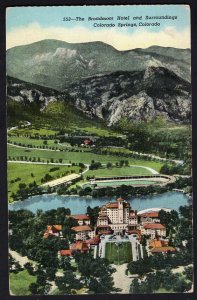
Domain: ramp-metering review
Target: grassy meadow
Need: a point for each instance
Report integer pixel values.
(19, 283)
(118, 171)
(76, 157)
(28, 173)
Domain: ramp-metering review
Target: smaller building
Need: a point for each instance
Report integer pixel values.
(83, 232)
(93, 242)
(149, 217)
(87, 143)
(153, 229)
(82, 219)
(80, 246)
(54, 230)
(63, 181)
(160, 246)
(104, 229)
(103, 219)
(65, 252)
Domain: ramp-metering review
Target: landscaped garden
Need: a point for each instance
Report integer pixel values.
(118, 253)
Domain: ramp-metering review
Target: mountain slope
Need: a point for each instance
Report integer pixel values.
(58, 64)
(41, 106)
(138, 96)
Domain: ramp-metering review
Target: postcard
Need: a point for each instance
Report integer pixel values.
(99, 147)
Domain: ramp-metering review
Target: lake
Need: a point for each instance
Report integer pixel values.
(77, 205)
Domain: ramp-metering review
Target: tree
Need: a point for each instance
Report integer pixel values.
(109, 165)
(169, 219)
(141, 267)
(68, 283)
(14, 265)
(121, 163)
(66, 229)
(135, 287)
(189, 273)
(93, 214)
(181, 286)
(37, 289)
(81, 165)
(60, 214)
(47, 177)
(126, 163)
(65, 264)
(29, 267)
(96, 273)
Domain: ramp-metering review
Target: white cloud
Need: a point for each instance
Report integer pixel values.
(141, 38)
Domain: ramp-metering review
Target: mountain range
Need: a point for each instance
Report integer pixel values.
(103, 82)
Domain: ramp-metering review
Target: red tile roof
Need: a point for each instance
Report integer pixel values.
(115, 204)
(158, 243)
(82, 228)
(163, 249)
(87, 142)
(112, 205)
(56, 227)
(103, 226)
(80, 217)
(79, 245)
(152, 214)
(65, 252)
(154, 226)
(155, 244)
(53, 228)
(94, 241)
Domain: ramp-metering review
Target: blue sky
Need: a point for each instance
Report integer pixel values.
(47, 21)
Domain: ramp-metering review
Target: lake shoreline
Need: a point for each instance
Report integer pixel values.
(79, 204)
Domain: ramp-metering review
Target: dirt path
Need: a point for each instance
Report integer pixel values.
(21, 259)
(121, 280)
(180, 269)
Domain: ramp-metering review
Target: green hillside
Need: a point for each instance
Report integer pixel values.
(57, 64)
(44, 107)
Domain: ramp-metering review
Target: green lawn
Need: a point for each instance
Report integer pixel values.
(39, 143)
(117, 171)
(118, 253)
(100, 131)
(56, 292)
(34, 142)
(33, 131)
(125, 182)
(19, 283)
(163, 291)
(116, 150)
(77, 157)
(24, 171)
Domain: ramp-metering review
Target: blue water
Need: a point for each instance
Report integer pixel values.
(172, 200)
